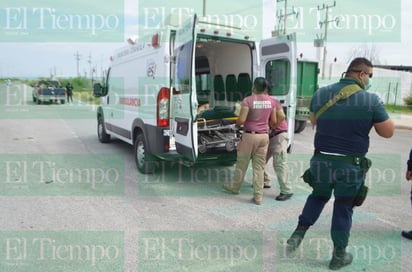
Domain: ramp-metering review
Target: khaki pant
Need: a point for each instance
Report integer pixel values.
(251, 147)
(277, 150)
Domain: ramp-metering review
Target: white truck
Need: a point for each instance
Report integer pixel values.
(174, 97)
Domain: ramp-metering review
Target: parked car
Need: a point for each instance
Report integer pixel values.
(48, 91)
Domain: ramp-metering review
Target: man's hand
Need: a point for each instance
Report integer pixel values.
(408, 175)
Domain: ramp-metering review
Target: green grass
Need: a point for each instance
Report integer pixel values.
(399, 109)
(86, 96)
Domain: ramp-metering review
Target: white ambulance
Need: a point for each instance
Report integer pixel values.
(175, 98)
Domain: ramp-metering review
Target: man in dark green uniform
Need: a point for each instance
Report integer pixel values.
(408, 176)
(341, 143)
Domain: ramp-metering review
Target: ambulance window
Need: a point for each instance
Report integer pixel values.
(184, 67)
(203, 82)
(203, 88)
(277, 73)
(202, 79)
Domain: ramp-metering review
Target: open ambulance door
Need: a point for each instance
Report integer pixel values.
(279, 66)
(184, 102)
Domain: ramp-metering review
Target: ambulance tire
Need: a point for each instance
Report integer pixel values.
(143, 163)
(300, 126)
(101, 131)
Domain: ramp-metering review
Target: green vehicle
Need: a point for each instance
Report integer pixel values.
(307, 84)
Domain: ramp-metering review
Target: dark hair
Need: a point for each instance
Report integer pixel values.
(358, 64)
(260, 84)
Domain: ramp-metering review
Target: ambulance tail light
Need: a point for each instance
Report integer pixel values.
(155, 40)
(163, 102)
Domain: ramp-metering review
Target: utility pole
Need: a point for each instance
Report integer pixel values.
(90, 69)
(90, 62)
(77, 57)
(204, 8)
(285, 15)
(325, 23)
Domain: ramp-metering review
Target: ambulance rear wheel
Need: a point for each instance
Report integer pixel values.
(143, 163)
(299, 126)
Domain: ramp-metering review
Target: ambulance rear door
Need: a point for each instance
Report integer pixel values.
(279, 66)
(184, 102)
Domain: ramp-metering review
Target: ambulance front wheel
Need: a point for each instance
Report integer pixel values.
(101, 131)
(143, 162)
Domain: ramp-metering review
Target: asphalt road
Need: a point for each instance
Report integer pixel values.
(70, 203)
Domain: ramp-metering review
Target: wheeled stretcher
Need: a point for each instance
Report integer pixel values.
(218, 135)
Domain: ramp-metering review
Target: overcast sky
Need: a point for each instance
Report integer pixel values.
(34, 59)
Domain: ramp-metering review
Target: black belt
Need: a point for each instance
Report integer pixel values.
(277, 133)
(356, 160)
(255, 132)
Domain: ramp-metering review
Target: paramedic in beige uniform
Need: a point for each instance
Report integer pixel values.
(277, 150)
(256, 111)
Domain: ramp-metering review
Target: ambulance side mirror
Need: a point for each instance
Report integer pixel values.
(99, 90)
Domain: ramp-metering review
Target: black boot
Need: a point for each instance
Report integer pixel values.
(407, 234)
(296, 238)
(340, 258)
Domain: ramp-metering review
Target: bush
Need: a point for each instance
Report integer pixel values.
(408, 100)
(79, 83)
